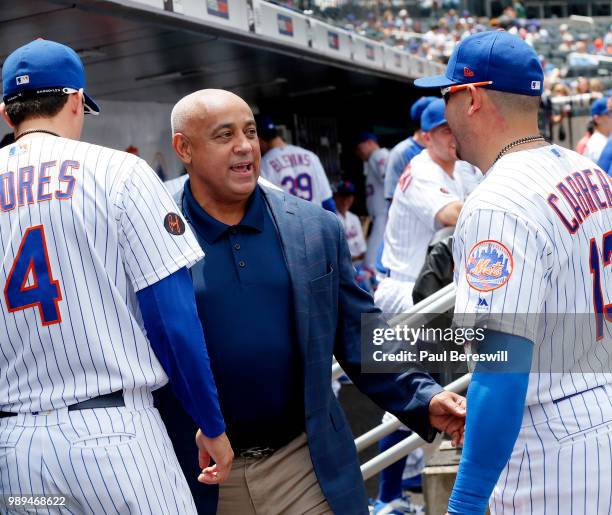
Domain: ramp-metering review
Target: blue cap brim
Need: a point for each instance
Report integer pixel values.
(436, 125)
(436, 81)
(91, 104)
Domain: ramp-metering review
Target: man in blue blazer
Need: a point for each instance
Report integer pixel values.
(277, 300)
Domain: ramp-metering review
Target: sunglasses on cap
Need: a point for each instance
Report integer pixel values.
(446, 92)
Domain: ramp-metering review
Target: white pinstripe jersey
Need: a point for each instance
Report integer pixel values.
(536, 238)
(423, 189)
(82, 228)
(297, 171)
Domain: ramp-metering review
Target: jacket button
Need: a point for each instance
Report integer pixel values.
(241, 264)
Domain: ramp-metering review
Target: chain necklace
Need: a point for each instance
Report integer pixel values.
(516, 143)
(32, 131)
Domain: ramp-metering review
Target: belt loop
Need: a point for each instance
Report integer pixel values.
(139, 398)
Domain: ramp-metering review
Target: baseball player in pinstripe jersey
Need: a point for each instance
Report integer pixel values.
(94, 262)
(374, 160)
(428, 197)
(533, 262)
(296, 170)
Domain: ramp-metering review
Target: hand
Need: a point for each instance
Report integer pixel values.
(220, 450)
(447, 414)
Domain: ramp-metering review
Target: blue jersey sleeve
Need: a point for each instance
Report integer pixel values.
(329, 204)
(495, 406)
(170, 317)
(605, 159)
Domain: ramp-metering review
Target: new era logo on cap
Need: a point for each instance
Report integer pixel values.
(467, 72)
(23, 79)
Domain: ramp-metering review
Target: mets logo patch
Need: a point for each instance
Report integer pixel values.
(489, 265)
(174, 224)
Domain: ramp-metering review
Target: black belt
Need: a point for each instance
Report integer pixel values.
(109, 400)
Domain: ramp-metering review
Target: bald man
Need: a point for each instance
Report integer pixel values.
(274, 311)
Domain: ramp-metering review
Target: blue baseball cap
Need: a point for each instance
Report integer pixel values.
(599, 107)
(507, 61)
(345, 188)
(433, 116)
(44, 67)
(264, 122)
(419, 106)
(364, 136)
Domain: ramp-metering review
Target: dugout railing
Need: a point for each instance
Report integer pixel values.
(439, 302)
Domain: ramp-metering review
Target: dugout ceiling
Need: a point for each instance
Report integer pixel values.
(133, 53)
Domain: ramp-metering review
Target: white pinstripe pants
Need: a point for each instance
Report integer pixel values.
(562, 460)
(107, 460)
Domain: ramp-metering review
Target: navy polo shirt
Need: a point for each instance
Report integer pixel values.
(244, 298)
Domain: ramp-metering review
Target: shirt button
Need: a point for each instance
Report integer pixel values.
(241, 264)
(236, 246)
(233, 230)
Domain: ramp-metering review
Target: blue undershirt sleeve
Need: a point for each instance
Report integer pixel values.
(173, 327)
(495, 406)
(329, 204)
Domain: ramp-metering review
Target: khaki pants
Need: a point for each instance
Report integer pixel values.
(283, 483)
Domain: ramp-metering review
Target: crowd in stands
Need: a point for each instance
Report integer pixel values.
(569, 50)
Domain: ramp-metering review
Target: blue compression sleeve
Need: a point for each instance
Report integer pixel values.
(171, 319)
(329, 204)
(495, 406)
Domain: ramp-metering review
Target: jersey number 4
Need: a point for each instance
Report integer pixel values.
(602, 310)
(30, 282)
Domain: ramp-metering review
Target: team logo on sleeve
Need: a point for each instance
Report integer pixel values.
(489, 265)
(174, 224)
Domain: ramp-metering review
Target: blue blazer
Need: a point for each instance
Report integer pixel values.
(328, 305)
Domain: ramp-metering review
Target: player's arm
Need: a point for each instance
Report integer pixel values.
(495, 405)
(449, 214)
(394, 168)
(496, 396)
(412, 396)
(429, 201)
(174, 330)
(157, 247)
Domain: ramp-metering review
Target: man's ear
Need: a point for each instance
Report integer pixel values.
(75, 101)
(182, 147)
(5, 116)
(476, 99)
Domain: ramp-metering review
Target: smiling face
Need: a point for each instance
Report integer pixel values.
(223, 147)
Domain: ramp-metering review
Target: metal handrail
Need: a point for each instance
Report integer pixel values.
(438, 302)
(377, 434)
(406, 446)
